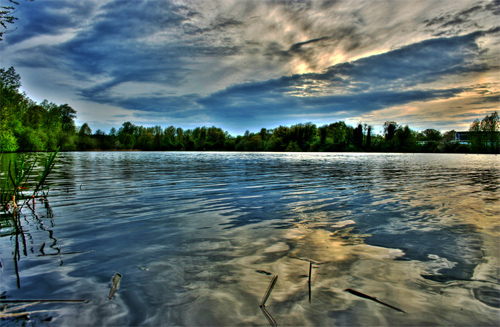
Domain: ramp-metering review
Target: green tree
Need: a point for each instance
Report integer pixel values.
(484, 135)
(490, 125)
(368, 137)
(254, 143)
(84, 140)
(68, 116)
(358, 137)
(390, 130)
(432, 135)
(8, 142)
(406, 139)
(9, 79)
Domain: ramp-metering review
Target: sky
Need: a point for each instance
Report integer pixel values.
(245, 65)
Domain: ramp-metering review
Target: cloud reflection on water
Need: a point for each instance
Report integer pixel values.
(417, 232)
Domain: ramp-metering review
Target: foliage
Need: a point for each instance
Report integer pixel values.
(20, 176)
(29, 126)
(484, 136)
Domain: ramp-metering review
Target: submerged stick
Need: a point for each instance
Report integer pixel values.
(269, 290)
(365, 296)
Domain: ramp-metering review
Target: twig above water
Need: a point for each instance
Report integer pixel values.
(264, 300)
(268, 291)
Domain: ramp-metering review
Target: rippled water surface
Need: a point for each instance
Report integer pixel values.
(198, 236)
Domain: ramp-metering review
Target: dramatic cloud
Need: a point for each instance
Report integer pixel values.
(251, 64)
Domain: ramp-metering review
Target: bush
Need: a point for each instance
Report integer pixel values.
(8, 142)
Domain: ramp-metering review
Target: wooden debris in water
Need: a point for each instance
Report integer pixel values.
(365, 296)
(116, 282)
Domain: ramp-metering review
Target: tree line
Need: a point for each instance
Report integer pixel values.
(29, 126)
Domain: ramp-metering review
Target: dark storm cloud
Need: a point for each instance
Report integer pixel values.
(452, 23)
(115, 45)
(414, 64)
(349, 36)
(173, 106)
(220, 24)
(494, 7)
(450, 20)
(359, 87)
(253, 100)
(298, 46)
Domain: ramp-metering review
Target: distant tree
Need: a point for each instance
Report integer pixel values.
(368, 137)
(129, 141)
(293, 147)
(484, 135)
(406, 139)
(323, 130)
(84, 140)
(9, 79)
(390, 130)
(432, 135)
(358, 136)
(68, 116)
(254, 143)
(145, 141)
(85, 130)
(449, 136)
(490, 125)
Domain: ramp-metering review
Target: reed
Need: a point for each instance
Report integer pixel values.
(264, 300)
(115, 283)
(18, 177)
(268, 291)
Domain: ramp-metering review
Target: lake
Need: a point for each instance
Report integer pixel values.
(198, 237)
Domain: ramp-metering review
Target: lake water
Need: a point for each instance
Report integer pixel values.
(198, 237)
